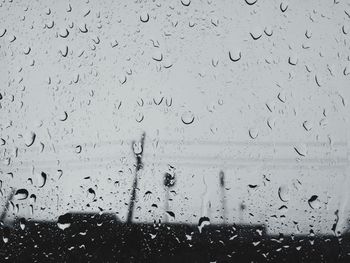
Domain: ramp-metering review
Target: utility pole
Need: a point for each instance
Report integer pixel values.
(138, 155)
(169, 182)
(223, 199)
(242, 207)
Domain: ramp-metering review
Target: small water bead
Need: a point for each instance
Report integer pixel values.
(283, 193)
(29, 138)
(253, 133)
(301, 150)
(314, 202)
(187, 117)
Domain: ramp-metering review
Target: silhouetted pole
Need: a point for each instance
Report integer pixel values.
(169, 182)
(222, 191)
(139, 166)
(241, 211)
(9, 199)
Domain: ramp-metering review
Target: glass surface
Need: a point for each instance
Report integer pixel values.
(174, 131)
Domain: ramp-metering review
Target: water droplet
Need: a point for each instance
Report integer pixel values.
(308, 34)
(215, 62)
(42, 147)
(169, 101)
(147, 194)
(78, 149)
(301, 149)
(2, 32)
(48, 12)
(144, 18)
(30, 181)
(64, 221)
(283, 7)
(281, 97)
(253, 133)
(293, 60)
(255, 34)
(64, 33)
(256, 243)
(169, 180)
(59, 174)
(314, 202)
(27, 51)
(185, 2)
(234, 56)
(268, 31)
(32, 198)
(50, 24)
(139, 117)
(158, 56)
(344, 28)
(283, 193)
(12, 38)
(317, 80)
(307, 125)
(270, 122)
(83, 28)
(65, 116)
(114, 43)
(140, 102)
(21, 194)
(42, 179)
(29, 139)
(92, 193)
(64, 51)
(283, 209)
(251, 2)
(187, 117)
(203, 221)
(69, 9)
(22, 223)
(170, 213)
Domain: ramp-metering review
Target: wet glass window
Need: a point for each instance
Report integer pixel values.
(174, 131)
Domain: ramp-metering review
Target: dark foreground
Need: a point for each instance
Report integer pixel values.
(96, 238)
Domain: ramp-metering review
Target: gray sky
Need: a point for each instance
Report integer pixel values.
(276, 118)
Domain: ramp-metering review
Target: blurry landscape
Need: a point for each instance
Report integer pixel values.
(179, 131)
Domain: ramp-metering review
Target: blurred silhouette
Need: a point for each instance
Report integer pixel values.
(102, 237)
(223, 199)
(138, 155)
